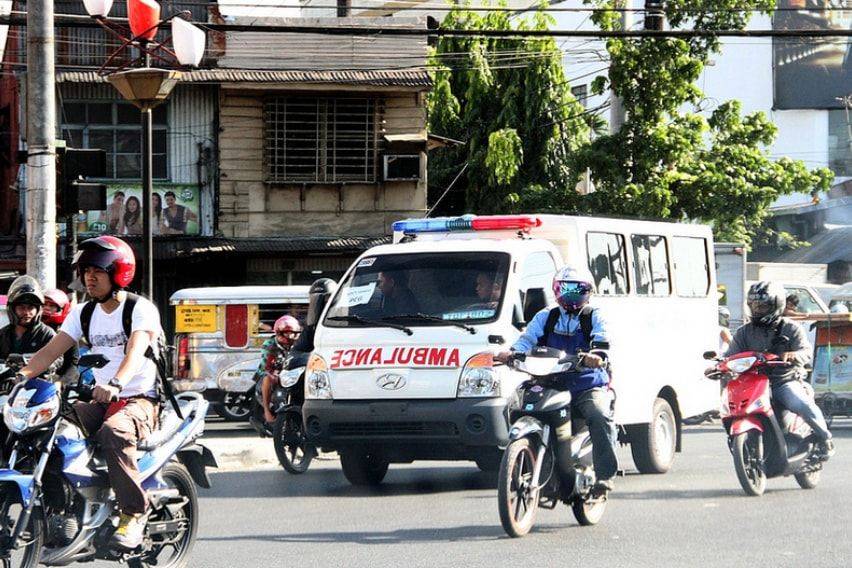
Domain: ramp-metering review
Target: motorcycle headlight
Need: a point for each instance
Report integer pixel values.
(19, 417)
(479, 378)
(289, 378)
(317, 382)
(741, 365)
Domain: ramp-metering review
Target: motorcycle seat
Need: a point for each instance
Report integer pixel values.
(169, 424)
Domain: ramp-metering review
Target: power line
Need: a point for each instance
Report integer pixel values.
(77, 21)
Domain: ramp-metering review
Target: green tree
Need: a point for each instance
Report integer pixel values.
(670, 163)
(509, 101)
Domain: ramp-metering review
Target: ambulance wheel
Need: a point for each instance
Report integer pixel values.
(653, 444)
(363, 468)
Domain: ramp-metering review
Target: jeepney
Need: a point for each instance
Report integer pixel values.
(219, 332)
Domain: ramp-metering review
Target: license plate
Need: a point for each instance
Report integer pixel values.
(195, 319)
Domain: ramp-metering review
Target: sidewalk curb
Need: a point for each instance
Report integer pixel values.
(250, 452)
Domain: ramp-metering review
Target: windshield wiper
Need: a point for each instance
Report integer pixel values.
(365, 321)
(427, 317)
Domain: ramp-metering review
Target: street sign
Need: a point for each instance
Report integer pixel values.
(195, 319)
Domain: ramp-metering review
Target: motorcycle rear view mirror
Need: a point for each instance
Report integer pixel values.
(93, 361)
(710, 355)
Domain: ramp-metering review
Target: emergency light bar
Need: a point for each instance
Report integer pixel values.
(468, 223)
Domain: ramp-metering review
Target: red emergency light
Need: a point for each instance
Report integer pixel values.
(469, 223)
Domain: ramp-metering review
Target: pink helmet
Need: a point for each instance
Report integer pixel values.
(286, 329)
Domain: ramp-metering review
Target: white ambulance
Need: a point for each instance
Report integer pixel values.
(403, 366)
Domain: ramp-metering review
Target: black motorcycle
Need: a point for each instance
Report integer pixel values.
(287, 432)
(529, 473)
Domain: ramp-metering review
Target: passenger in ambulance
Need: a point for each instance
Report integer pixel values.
(397, 298)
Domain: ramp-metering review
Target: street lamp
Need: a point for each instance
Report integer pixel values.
(147, 86)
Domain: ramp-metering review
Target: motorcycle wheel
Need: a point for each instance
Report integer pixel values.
(517, 499)
(172, 550)
(291, 445)
(234, 407)
(589, 511)
(808, 480)
(27, 556)
(748, 459)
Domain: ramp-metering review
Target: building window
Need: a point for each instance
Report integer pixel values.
(581, 93)
(114, 127)
(321, 139)
(839, 142)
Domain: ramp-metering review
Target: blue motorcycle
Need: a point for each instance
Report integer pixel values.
(56, 505)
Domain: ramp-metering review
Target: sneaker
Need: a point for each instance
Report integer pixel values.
(130, 531)
(604, 486)
(826, 449)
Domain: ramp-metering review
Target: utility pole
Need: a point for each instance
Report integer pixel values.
(655, 17)
(41, 144)
(617, 114)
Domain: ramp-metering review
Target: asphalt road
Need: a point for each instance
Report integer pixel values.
(445, 514)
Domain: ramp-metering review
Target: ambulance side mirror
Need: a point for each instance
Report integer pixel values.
(534, 301)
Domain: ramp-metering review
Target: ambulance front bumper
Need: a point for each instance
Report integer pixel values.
(411, 429)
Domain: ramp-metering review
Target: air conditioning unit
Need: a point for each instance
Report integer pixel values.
(402, 167)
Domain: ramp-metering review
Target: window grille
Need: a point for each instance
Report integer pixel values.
(322, 139)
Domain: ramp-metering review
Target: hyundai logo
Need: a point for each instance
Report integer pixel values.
(391, 382)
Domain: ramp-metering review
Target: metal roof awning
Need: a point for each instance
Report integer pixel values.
(187, 247)
(376, 78)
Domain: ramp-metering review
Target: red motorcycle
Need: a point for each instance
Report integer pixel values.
(765, 439)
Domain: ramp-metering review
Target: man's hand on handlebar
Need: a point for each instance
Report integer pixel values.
(503, 356)
(789, 357)
(592, 361)
(105, 394)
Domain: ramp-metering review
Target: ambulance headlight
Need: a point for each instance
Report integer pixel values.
(479, 378)
(317, 383)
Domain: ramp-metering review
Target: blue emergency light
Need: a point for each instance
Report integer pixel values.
(468, 223)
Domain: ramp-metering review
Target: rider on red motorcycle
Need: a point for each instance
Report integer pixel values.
(769, 332)
(273, 352)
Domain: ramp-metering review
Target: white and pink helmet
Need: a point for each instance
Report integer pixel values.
(573, 286)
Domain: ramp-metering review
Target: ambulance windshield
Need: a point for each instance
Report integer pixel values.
(429, 287)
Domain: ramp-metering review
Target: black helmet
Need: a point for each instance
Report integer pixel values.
(319, 294)
(766, 301)
(24, 290)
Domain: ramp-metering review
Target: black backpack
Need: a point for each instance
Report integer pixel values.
(160, 355)
(553, 317)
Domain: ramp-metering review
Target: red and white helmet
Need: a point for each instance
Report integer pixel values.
(110, 254)
(286, 330)
(63, 304)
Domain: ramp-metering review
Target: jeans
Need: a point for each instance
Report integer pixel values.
(793, 397)
(595, 405)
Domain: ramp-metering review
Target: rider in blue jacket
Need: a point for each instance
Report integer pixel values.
(574, 326)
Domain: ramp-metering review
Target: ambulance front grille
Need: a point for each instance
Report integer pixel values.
(394, 429)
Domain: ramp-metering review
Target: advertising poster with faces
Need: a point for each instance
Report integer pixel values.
(175, 211)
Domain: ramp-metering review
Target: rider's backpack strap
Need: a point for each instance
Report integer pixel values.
(86, 319)
(549, 326)
(586, 322)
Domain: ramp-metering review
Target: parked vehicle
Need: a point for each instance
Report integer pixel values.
(419, 383)
(766, 440)
(843, 295)
(55, 504)
(218, 336)
(292, 448)
(832, 374)
(529, 472)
